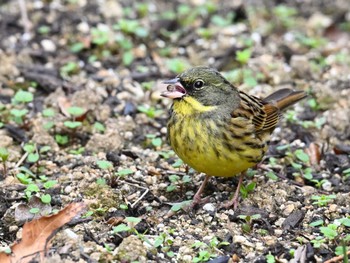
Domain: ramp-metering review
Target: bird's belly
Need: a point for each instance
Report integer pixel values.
(200, 146)
(212, 165)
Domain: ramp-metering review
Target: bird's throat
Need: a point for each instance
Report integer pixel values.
(189, 106)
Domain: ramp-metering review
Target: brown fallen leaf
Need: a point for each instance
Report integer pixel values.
(314, 153)
(64, 104)
(37, 234)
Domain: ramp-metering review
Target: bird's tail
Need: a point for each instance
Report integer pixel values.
(284, 98)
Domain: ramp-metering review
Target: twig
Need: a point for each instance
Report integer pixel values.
(142, 196)
(21, 160)
(337, 259)
(25, 20)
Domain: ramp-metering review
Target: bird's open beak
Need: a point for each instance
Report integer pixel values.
(175, 90)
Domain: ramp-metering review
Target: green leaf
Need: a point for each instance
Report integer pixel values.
(48, 125)
(170, 254)
(76, 111)
(345, 221)
(27, 171)
(177, 206)
(99, 127)
(157, 142)
(132, 219)
(29, 148)
(174, 178)
(104, 165)
(34, 210)
(186, 179)
(329, 231)
(317, 223)
(271, 175)
(270, 258)
(171, 188)
(18, 113)
(23, 96)
(159, 241)
(4, 154)
(177, 164)
(45, 149)
(77, 47)
(24, 178)
(32, 188)
(69, 68)
(121, 228)
(46, 199)
(49, 112)
(243, 56)
(101, 181)
(123, 206)
(49, 184)
(33, 157)
(72, 124)
(61, 139)
(124, 172)
(99, 37)
(302, 156)
(128, 58)
(250, 187)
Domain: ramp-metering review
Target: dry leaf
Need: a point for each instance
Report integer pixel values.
(23, 214)
(314, 153)
(64, 104)
(37, 234)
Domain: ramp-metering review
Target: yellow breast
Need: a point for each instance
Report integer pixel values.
(205, 143)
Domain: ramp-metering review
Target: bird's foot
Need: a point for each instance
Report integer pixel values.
(234, 202)
(197, 200)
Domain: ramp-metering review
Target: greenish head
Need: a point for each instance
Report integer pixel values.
(204, 84)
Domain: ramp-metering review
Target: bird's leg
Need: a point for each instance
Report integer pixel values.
(197, 197)
(234, 200)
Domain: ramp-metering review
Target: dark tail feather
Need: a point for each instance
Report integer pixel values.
(284, 98)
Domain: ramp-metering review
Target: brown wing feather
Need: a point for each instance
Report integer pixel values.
(264, 117)
(265, 113)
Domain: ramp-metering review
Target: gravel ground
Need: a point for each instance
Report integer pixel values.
(82, 119)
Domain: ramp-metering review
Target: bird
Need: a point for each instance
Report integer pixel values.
(219, 130)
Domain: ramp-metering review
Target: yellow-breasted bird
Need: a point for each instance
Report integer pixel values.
(216, 128)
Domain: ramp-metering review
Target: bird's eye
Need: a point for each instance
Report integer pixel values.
(198, 84)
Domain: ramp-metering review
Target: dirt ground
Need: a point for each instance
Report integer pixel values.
(82, 120)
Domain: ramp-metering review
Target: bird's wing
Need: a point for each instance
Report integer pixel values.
(264, 116)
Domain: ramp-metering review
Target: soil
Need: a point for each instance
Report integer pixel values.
(109, 58)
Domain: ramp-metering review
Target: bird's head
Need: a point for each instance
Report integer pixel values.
(205, 85)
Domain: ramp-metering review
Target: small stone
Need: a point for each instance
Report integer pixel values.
(278, 232)
(279, 222)
(70, 234)
(5, 141)
(13, 228)
(83, 27)
(308, 190)
(327, 185)
(48, 45)
(209, 207)
(333, 208)
(187, 258)
(131, 249)
(288, 209)
(300, 64)
(68, 189)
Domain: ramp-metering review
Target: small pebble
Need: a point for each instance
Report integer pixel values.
(13, 228)
(48, 45)
(71, 234)
(68, 189)
(209, 207)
